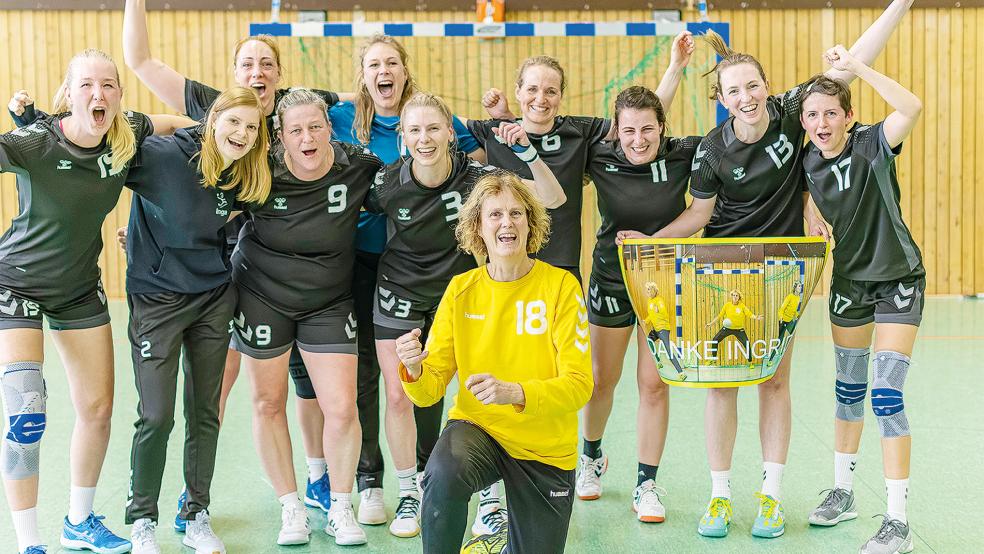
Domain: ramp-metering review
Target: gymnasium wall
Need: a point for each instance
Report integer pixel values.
(935, 52)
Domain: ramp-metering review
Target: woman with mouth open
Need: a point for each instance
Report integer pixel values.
(383, 84)
(48, 268)
(421, 197)
(514, 334)
(294, 281)
(877, 285)
(747, 182)
(256, 65)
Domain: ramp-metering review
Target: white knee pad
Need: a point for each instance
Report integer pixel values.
(890, 370)
(24, 398)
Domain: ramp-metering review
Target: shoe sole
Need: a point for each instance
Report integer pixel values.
(846, 516)
(82, 545)
(293, 540)
(370, 522)
(768, 534)
(311, 503)
(589, 497)
(346, 542)
(648, 519)
(713, 534)
(188, 542)
(404, 534)
(180, 528)
(904, 549)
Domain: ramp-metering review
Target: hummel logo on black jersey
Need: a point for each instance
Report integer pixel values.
(64, 164)
(404, 214)
(611, 168)
(739, 173)
(221, 201)
(280, 203)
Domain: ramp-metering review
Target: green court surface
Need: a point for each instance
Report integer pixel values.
(945, 384)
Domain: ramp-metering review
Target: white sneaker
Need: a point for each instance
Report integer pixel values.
(342, 526)
(489, 522)
(407, 521)
(143, 537)
(372, 511)
(590, 470)
(294, 528)
(199, 535)
(646, 504)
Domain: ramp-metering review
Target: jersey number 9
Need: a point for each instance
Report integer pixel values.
(336, 198)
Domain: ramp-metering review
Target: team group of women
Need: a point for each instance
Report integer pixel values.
(361, 218)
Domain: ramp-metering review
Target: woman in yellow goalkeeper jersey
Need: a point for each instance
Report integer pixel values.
(789, 313)
(658, 319)
(733, 316)
(515, 333)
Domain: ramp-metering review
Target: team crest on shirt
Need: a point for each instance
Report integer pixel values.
(221, 203)
(404, 214)
(739, 173)
(64, 164)
(280, 203)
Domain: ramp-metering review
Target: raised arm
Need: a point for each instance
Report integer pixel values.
(681, 49)
(160, 78)
(167, 124)
(544, 183)
(907, 105)
(870, 44)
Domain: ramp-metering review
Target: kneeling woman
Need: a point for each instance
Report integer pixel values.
(294, 281)
(514, 332)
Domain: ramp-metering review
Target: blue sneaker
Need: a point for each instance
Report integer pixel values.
(36, 549)
(716, 519)
(179, 524)
(769, 523)
(318, 493)
(92, 535)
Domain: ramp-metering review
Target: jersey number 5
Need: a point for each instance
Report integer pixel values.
(780, 151)
(532, 319)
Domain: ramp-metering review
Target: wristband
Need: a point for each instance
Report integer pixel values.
(527, 154)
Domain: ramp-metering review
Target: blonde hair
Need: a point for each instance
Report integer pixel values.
(120, 138)
(299, 96)
(469, 228)
(250, 175)
(738, 292)
(651, 288)
(545, 61)
(265, 39)
(365, 108)
(427, 100)
(728, 58)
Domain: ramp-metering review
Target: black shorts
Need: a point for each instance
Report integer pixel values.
(85, 311)
(609, 305)
(856, 303)
(394, 313)
(264, 331)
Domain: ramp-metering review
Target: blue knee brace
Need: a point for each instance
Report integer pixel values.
(24, 410)
(890, 369)
(852, 382)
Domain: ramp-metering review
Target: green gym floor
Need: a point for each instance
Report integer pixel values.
(946, 491)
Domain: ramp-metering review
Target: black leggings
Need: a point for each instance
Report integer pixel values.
(737, 333)
(467, 460)
(664, 337)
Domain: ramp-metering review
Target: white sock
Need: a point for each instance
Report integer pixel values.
(26, 528)
(488, 499)
(80, 501)
(772, 479)
(340, 500)
(408, 481)
(316, 468)
(898, 492)
(290, 499)
(721, 484)
(844, 470)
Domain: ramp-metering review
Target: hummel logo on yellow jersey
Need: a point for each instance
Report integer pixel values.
(474, 316)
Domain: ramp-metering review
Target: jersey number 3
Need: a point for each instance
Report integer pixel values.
(452, 201)
(533, 319)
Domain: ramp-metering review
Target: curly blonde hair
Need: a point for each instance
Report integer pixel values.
(469, 228)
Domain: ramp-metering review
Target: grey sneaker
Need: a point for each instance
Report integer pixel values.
(894, 537)
(838, 506)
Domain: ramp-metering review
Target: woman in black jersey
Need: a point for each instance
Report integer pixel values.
(747, 183)
(641, 179)
(48, 267)
(180, 297)
(256, 65)
(421, 197)
(294, 283)
(877, 285)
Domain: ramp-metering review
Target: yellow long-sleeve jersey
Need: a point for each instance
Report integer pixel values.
(736, 313)
(657, 316)
(790, 308)
(533, 331)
